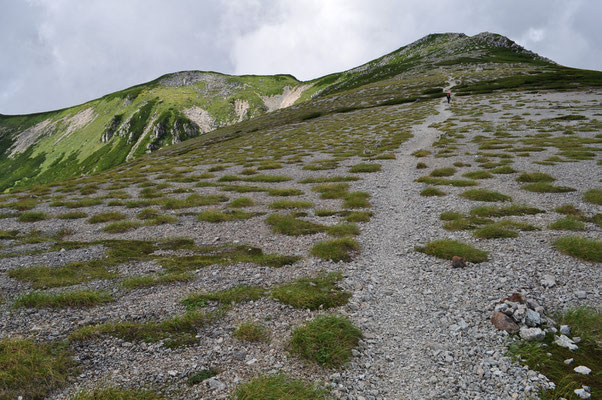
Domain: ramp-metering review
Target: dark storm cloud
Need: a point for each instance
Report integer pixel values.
(57, 53)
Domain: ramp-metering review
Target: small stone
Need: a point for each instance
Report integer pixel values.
(239, 355)
(532, 334)
(582, 369)
(458, 262)
(216, 384)
(582, 394)
(172, 373)
(568, 361)
(581, 294)
(504, 322)
(519, 314)
(576, 339)
(501, 307)
(251, 361)
(565, 341)
(548, 281)
(532, 318)
(565, 330)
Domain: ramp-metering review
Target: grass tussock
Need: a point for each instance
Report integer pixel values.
(481, 174)
(116, 393)
(279, 387)
(506, 211)
(579, 247)
(106, 217)
(315, 293)
(226, 297)
(290, 204)
(447, 249)
(544, 187)
(291, 226)
(241, 202)
(71, 274)
(32, 216)
(137, 282)
(32, 370)
(174, 332)
(365, 168)
(73, 215)
(252, 332)
(194, 200)
(421, 153)
(356, 200)
(358, 216)
(336, 250)
(343, 229)
(485, 195)
(121, 227)
(432, 191)
(567, 224)
(78, 298)
(429, 180)
(327, 340)
(532, 177)
(216, 216)
(443, 172)
(593, 196)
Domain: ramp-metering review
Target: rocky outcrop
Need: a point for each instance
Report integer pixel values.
(111, 128)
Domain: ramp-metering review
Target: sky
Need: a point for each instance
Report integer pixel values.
(59, 53)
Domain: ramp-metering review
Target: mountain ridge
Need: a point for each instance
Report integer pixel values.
(175, 107)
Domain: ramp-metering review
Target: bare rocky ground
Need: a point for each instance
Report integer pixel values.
(426, 326)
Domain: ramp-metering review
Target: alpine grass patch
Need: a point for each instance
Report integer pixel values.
(116, 393)
(447, 249)
(32, 216)
(432, 191)
(78, 298)
(567, 224)
(364, 168)
(336, 250)
(279, 387)
(313, 293)
(327, 340)
(291, 226)
(593, 196)
(252, 332)
(580, 247)
(224, 297)
(532, 177)
(485, 195)
(544, 187)
(106, 217)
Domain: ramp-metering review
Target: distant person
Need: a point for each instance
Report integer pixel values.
(448, 95)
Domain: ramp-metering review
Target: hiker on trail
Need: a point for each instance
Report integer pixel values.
(448, 95)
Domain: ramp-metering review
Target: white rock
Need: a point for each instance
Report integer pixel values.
(532, 334)
(216, 384)
(581, 294)
(565, 341)
(172, 373)
(548, 281)
(582, 394)
(568, 361)
(582, 369)
(565, 330)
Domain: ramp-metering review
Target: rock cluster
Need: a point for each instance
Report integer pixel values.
(519, 314)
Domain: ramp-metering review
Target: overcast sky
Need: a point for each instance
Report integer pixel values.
(58, 53)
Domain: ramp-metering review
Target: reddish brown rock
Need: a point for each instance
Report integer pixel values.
(516, 298)
(458, 262)
(504, 322)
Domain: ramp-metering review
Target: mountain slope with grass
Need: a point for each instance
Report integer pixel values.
(122, 126)
(371, 242)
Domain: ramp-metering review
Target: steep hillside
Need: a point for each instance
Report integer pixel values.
(122, 126)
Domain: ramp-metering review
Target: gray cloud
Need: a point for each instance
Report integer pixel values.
(57, 53)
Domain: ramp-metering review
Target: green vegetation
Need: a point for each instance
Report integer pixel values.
(506, 211)
(216, 216)
(358, 216)
(363, 168)
(327, 340)
(451, 182)
(336, 250)
(432, 191)
(447, 248)
(334, 191)
(356, 200)
(79, 298)
(330, 179)
(344, 229)
(106, 217)
(313, 293)
(421, 153)
(32, 370)
(194, 200)
(548, 358)
(440, 172)
(146, 281)
(224, 297)
(567, 224)
(252, 332)
(531, 177)
(120, 227)
(285, 192)
(176, 331)
(579, 247)
(115, 393)
(32, 216)
(279, 387)
(481, 174)
(289, 225)
(70, 274)
(544, 187)
(593, 196)
(201, 376)
(241, 202)
(421, 165)
(485, 195)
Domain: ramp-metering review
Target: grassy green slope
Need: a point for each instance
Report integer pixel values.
(125, 125)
